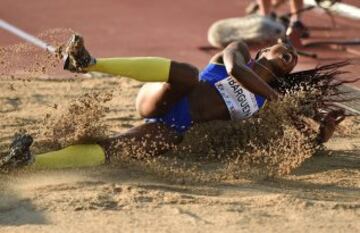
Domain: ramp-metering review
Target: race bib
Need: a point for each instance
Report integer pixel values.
(240, 102)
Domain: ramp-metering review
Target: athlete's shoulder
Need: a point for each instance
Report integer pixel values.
(236, 47)
(239, 47)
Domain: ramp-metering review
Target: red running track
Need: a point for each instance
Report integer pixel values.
(173, 29)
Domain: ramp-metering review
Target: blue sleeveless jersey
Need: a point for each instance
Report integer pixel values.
(214, 73)
(179, 117)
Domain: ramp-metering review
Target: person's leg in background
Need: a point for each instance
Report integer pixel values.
(264, 7)
(254, 6)
(295, 21)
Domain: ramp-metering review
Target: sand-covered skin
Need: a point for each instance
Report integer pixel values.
(322, 195)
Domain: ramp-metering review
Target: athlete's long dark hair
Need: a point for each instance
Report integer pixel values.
(323, 82)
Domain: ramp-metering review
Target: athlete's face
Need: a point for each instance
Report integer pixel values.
(282, 57)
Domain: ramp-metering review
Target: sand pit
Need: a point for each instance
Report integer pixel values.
(322, 195)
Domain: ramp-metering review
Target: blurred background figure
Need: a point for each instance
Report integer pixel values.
(267, 7)
(262, 25)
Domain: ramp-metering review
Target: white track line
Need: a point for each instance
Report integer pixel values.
(30, 38)
(26, 36)
(350, 109)
(352, 88)
(342, 9)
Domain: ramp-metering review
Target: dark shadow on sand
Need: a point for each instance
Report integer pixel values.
(330, 160)
(313, 191)
(17, 211)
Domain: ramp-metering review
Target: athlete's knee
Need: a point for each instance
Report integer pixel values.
(183, 73)
(146, 112)
(143, 108)
(146, 107)
(148, 101)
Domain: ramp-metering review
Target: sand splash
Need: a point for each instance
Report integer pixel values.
(268, 144)
(79, 121)
(26, 61)
(272, 143)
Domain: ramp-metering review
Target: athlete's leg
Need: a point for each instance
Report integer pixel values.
(264, 7)
(176, 78)
(296, 24)
(147, 139)
(295, 6)
(144, 69)
(19, 155)
(155, 99)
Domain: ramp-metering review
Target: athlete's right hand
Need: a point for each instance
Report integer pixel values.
(329, 124)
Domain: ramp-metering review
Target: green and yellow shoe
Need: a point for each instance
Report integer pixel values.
(19, 153)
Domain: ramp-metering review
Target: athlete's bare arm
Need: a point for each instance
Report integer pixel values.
(235, 57)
